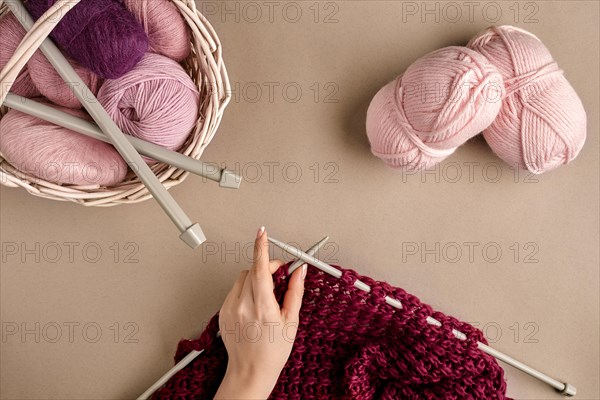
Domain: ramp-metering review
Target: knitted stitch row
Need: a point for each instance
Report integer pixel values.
(353, 345)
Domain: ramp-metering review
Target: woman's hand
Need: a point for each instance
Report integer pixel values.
(257, 333)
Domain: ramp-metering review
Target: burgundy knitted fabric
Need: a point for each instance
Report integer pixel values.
(353, 345)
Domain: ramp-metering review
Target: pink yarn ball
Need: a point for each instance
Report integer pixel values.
(56, 154)
(167, 31)
(51, 85)
(442, 100)
(157, 101)
(542, 122)
(40, 78)
(12, 33)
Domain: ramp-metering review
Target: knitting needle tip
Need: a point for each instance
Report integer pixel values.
(312, 251)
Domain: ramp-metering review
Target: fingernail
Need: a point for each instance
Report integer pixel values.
(261, 230)
(304, 270)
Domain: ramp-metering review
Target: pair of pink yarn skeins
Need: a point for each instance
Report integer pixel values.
(504, 83)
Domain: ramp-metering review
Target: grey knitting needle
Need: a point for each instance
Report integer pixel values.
(564, 388)
(191, 356)
(226, 178)
(191, 233)
(312, 251)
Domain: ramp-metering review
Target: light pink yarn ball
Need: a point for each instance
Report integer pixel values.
(442, 100)
(157, 101)
(56, 154)
(167, 31)
(11, 34)
(52, 86)
(542, 122)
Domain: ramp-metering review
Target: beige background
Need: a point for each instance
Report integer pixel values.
(544, 313)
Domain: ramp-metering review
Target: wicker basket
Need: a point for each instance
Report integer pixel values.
(206, 68)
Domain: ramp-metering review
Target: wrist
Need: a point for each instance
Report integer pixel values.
(245, 383)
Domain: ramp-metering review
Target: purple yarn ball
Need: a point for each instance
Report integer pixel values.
(101, 35)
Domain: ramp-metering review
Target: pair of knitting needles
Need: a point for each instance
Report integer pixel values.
(225, 178)
(109, 132)
(308, 257)
(195, 353)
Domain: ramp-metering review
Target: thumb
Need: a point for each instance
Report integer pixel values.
(293, 297)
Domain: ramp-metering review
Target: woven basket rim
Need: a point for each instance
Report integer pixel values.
(207, 69)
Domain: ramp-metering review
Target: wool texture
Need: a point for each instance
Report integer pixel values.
(39, 78)
(167, 32)
(56, 154)
(11, 34)
(99, 34)
(52, 86)
(542, 122)
(442, 100)
(353, 345)
(157, 101)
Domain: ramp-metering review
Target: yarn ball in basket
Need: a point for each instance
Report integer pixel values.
(11, 34)
(442, 100)
(167, 31)
(157, 101)
(56, 154)
(99, 34)
(542, 122)
(52, 86)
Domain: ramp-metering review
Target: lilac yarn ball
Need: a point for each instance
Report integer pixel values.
(99, 34)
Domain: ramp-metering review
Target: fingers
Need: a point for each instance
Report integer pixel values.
(293, 297)
(261, 276)
(274, 265)
(247, 293)
(261, 251)
(236, 290)
(256, 285)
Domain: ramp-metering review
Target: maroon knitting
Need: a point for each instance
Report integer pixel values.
(353, 345)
